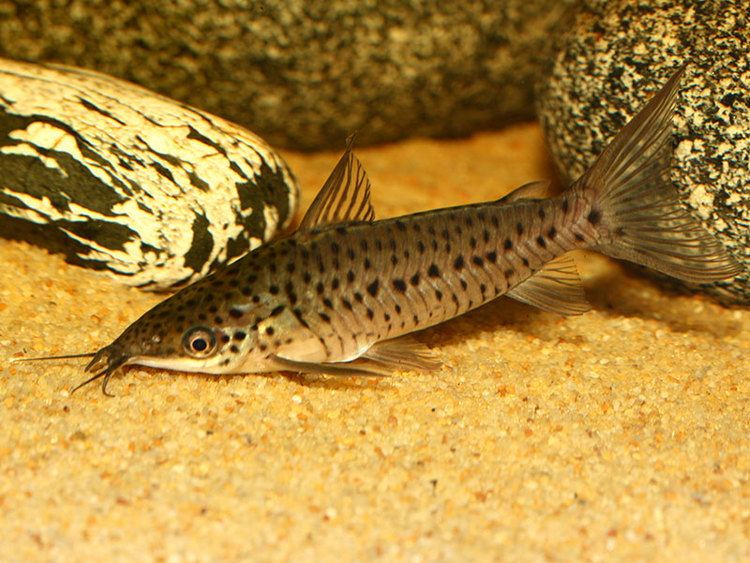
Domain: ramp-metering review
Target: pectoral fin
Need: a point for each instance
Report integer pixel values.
(556, 288)
(343, 369)
(403, 353)
(381, 359)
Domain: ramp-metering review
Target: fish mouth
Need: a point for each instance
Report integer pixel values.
(104, 363)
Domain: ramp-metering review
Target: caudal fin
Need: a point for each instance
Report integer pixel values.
(637, 210)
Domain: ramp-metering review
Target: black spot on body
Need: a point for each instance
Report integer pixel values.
(372, 288)
(541, 242)
(519, 229)
(399, 285)
(240, 335)
(235, 313)
(433, 271)
(415, 279)
(458, 263)
(552, 232)
(594, 216)
(273, 290)
(478, 261)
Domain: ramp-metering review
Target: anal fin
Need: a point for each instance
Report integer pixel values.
(556, 288)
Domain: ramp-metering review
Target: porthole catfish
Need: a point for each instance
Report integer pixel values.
(342, 294)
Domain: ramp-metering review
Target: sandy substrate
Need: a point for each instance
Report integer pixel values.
(621, 433)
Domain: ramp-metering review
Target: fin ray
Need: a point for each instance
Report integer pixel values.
(345, 196)
(643, 219)
(403, 353)
(555, 288)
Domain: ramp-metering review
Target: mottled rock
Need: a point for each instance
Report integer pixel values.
(615, 55)
(307, 74)
(124, 180)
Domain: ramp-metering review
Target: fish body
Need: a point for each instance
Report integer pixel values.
(342, 293)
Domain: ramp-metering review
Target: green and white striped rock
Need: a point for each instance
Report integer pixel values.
(122, 179)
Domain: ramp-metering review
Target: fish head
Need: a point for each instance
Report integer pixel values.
(204, 328)
(192, 331)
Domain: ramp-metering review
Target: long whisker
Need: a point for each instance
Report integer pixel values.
(44, 358)
(106, 374)
(106, 371)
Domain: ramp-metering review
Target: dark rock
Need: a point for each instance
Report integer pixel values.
(615, 55)
(307, 74)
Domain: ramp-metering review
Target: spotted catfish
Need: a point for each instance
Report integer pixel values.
(340, 295)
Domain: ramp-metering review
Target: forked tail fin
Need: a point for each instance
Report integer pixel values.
(637, 210)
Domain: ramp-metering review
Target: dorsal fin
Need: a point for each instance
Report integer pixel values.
(556, 288)
(531, 190)
(344, 197)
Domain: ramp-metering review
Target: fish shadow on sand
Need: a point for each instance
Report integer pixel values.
(616, 292)
(623, 292)
(362, 383)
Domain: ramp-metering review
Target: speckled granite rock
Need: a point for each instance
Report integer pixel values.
(302, 74)
(616, 55)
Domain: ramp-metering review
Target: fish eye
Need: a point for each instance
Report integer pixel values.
(199, 341)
